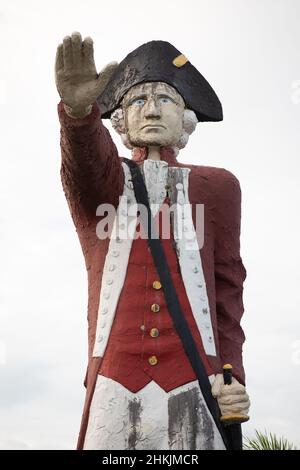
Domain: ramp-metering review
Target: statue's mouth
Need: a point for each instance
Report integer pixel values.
(153, 125)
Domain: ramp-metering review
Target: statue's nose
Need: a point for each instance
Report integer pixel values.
(152, 109)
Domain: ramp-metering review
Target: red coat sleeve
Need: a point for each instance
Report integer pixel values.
(230, 272)
(91, 169)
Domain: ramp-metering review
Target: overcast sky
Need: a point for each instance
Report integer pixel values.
(249, 51)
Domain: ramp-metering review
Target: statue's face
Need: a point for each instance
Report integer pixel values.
(153, 114)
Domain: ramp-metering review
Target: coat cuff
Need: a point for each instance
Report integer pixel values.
(68, 121)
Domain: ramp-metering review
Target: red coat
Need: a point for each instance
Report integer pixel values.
(92, 174)
(129, 348)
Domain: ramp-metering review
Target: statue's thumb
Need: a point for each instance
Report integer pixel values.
(217, 385)
(105, 75)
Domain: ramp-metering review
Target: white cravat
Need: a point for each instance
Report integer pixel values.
(156, 176)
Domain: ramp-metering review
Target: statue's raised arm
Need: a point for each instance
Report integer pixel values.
(91, 170)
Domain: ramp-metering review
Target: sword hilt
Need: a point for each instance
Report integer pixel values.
(233, 418)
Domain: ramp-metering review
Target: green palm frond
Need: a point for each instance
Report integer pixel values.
(267, 441)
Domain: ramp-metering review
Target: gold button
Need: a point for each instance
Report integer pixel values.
(155, 308)
(154, 332)
(156, 285)
(153, 360)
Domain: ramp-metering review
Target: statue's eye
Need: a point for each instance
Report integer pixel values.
(165, 99)
(139, 102)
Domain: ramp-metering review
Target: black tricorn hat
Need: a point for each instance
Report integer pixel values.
(159, 61)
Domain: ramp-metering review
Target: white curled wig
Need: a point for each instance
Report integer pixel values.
(188, 126)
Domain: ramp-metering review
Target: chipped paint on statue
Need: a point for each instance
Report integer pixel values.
(142, 392)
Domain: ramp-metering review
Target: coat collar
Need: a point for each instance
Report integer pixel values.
(167, 154)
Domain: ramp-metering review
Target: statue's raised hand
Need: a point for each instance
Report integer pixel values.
(76, 77)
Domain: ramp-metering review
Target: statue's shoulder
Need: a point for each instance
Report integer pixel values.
(214, 178)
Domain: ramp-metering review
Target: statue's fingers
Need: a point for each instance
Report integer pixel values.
(105, 76)
(109, 68)
(88, 52)
(234, 389)
(67, 53)
(217, 385)
(231, 399)
(59, 59)
(242, 408)
(76, 48)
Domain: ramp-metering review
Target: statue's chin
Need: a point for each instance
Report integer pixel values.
(150, 143)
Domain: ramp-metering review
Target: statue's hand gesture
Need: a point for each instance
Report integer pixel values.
(76, 77)
(232, 399)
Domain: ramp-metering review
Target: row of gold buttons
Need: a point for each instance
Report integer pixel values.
(154, 331)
